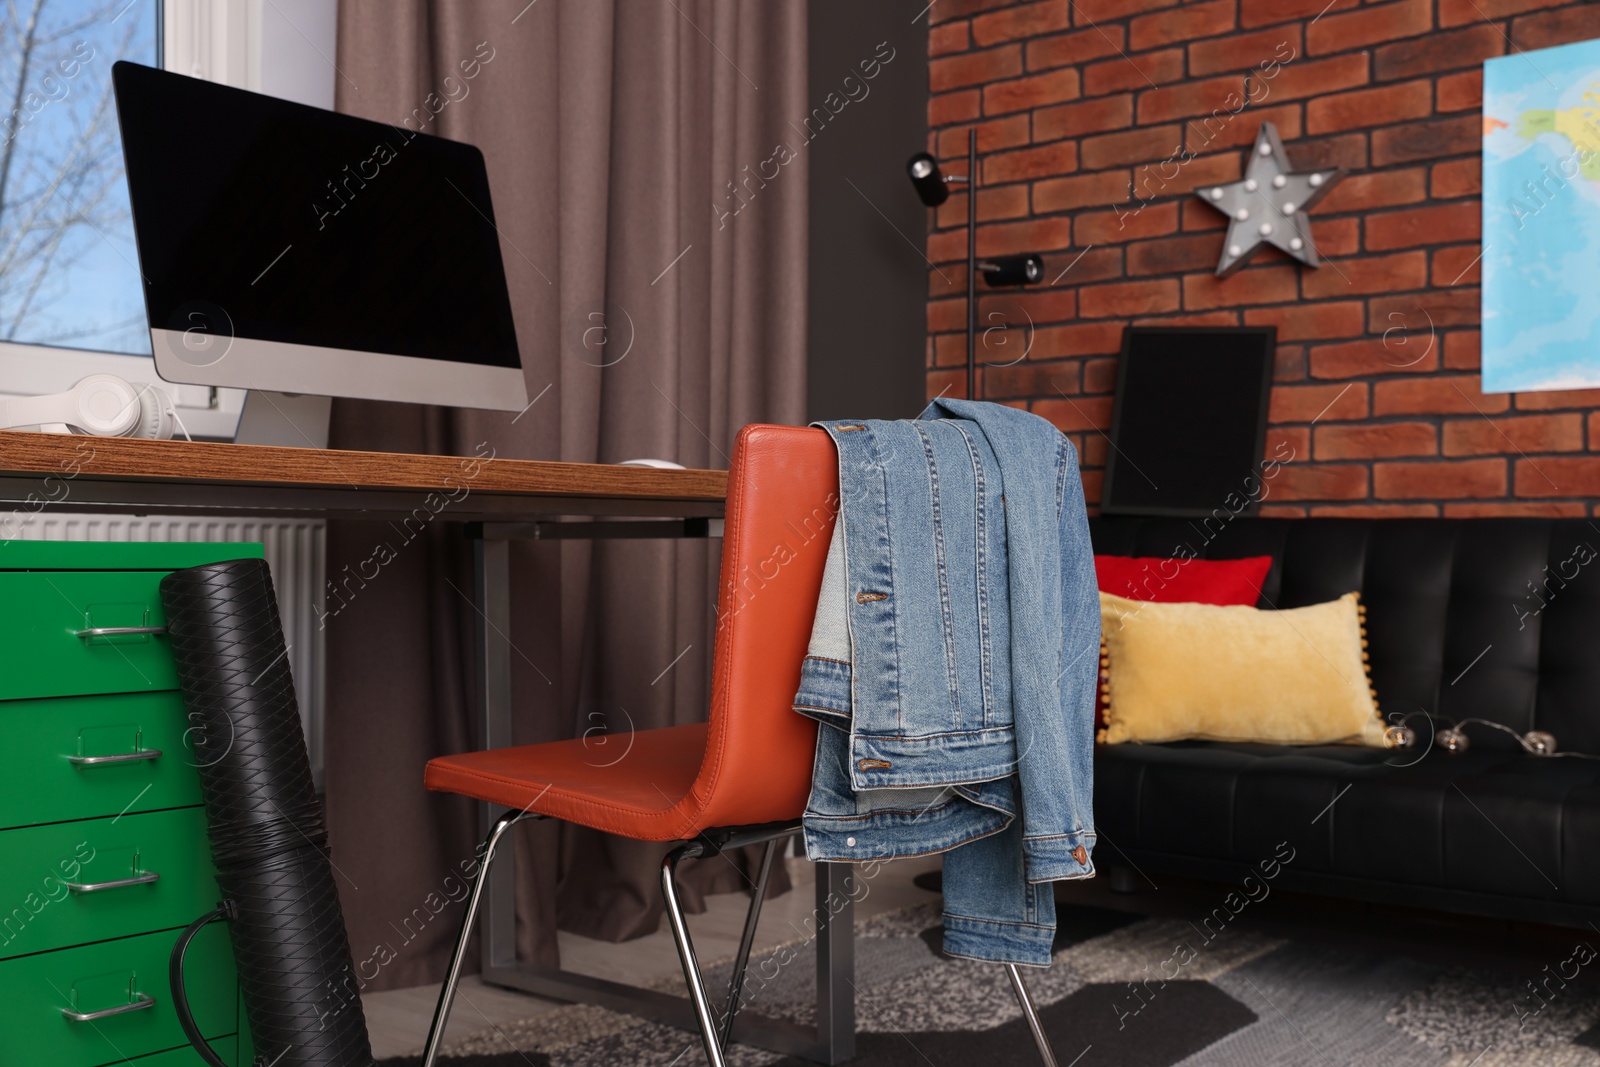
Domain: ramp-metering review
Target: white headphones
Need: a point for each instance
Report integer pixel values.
(101, 404)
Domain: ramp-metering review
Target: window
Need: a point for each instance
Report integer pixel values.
(69, 272)
(87, 315)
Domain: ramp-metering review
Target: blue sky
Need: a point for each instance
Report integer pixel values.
(90, 297)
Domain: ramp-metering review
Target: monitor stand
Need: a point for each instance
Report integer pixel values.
(293, 420)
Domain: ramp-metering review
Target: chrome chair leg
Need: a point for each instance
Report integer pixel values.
(452, 978)
(1025, 999)
(751, 918)
(691, 964)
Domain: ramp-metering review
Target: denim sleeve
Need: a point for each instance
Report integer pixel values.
(1055, 716)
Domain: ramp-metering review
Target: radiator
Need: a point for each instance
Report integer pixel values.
(294, 551)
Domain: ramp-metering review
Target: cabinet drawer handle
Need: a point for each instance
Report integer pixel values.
(145, 1001)
(121, 757)
(143, 878)
(119, 631)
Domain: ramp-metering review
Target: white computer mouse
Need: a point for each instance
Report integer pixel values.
(658, 464)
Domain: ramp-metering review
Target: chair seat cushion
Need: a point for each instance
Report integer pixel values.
(1490, 822)
(632, 784)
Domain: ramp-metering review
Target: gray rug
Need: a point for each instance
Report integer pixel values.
(1238, 1000)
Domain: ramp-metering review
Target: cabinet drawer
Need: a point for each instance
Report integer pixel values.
(120, 555)
(35, 991)
(244, 1042)
(227, 1048)
(132, 873)
(43, 613)
(40, 782)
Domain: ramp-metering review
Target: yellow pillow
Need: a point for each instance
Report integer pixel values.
(1212, 673)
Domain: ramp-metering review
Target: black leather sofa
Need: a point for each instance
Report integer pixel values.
(1494, 619)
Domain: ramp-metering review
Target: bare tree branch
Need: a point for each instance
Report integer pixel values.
(61, 169)
(24, 63)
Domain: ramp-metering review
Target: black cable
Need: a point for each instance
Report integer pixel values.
(180, 995)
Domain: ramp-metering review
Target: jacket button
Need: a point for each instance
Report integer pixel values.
(1081, 855)
(850, 841)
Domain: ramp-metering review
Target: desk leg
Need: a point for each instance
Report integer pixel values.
(836, 961)
(492, 579)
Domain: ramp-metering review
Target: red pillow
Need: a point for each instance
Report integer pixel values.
(1183, 581)
(1163, 580)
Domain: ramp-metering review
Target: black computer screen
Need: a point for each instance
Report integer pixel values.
(282, 222)
(1189, 421)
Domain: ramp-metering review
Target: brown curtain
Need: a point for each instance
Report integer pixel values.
(620, 137)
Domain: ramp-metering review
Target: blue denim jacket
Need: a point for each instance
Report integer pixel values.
(953, 663)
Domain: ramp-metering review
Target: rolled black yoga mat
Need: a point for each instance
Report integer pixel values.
(265, 822)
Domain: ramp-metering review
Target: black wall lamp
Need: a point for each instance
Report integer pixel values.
(933, 187)
(1005, 271)
(931, 183)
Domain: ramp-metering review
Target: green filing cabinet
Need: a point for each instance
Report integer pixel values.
(103, 850)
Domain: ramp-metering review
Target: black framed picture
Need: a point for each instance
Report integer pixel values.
(1189, 423)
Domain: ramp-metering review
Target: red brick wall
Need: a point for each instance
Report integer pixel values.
(1075, 101)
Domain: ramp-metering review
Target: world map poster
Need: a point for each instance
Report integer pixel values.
(1541, 219)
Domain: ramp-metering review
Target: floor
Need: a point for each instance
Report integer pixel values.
(397, 1019)
(1440, 937)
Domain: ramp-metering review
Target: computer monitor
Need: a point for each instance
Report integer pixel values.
(297, 250)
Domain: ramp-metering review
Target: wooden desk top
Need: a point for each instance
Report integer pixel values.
(81, 473)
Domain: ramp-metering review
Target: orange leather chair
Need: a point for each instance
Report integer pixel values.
(740, 779)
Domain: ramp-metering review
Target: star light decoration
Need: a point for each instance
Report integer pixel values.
(1269, 206)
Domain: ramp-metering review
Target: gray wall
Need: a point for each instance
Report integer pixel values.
(868, 277)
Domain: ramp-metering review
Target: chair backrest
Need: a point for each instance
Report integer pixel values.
(783, 496)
